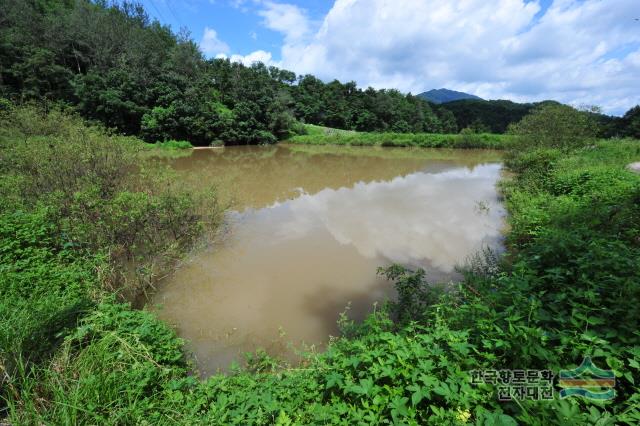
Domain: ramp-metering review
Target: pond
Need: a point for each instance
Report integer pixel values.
(309, 227)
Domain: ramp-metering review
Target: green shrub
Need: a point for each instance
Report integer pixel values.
(414, 295)
(100, 193)
(555, 126)
(80, 208)
(265, 138)
(45, 285)
(173, 144)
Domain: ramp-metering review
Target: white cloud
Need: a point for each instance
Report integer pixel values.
(251, 58)
(287, 19)
(211, 45)
(576, 52)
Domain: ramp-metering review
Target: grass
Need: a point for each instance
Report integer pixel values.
(72, 353)
(317, 135)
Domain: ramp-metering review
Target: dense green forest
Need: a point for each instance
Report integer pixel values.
(497, 116)
(487, 116)
(113, 64)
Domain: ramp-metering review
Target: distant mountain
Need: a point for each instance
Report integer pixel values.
(440, 96)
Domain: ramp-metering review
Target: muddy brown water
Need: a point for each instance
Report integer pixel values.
(309, 227)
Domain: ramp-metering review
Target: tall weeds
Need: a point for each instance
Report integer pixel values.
(101, 193)
(85, 215)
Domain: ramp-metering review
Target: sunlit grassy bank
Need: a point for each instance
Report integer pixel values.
(73, 351)
(317, 135)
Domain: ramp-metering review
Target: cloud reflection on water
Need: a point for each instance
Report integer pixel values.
(295, 265)
(433, 218)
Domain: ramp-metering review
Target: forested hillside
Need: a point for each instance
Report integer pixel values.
(487, 116)
(113, 64)
(440, 96)
(496, 116)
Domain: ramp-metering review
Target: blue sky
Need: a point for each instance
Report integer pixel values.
(235, 22)
(582, 52)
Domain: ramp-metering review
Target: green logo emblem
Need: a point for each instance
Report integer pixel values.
(587, 381)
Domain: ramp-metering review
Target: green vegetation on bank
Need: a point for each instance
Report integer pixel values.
(317, 135)
(83, 223)
(171, 144)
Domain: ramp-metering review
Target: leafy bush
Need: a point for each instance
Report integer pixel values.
(99, 192)
(555, 126)
(80, 207)
(414, 295)
(44, 286)
(173, 144)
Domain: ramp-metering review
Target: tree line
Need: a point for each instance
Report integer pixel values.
(113, 64)
(498, 116)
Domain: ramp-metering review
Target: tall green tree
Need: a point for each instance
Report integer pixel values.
(556, 126)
